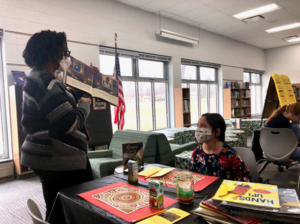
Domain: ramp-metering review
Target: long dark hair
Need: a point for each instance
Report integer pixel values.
(216, 121)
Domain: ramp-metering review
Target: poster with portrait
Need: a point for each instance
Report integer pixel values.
(98, 104)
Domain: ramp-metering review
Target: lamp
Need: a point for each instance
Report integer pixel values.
(178, 36)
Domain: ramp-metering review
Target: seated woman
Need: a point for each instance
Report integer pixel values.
(281, 119)
(213, 156)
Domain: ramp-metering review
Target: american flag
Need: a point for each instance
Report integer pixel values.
(120, 110)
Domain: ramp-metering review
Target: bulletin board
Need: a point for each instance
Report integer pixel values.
(280, 92)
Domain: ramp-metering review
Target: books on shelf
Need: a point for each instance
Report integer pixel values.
(235, 85)
(235, 103)
(254, 194)
(186, 106)
(245, 85)
(246, 103)
(235, 94)
(246, 93)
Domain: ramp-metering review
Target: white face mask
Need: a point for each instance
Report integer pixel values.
(64, 64)
(203, 134)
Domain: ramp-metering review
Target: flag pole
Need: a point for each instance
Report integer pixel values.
(118, 113)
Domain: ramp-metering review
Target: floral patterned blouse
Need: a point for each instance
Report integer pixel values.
(225, 164)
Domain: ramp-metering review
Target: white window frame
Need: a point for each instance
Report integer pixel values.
(199, 82)
(260, 73)
(4, 101)
(136, 56)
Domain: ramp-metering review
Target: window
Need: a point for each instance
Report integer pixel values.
(207, 74)
(188, 72)
(108, 63)
(4, 149)
(145, 92)
(202, 82)
(151, 69)
(246, 77)
(255, 85)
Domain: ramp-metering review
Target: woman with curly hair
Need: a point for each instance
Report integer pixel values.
(54, 120)
(213, 156)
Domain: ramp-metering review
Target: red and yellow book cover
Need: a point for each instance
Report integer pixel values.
(255, 194)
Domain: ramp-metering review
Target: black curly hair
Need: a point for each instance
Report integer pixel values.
(44, 47)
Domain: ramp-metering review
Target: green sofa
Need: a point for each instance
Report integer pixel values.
(104, 162)
(166, 152)
(156, 150)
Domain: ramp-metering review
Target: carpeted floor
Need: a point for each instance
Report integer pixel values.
(13, 199)
(14, 194)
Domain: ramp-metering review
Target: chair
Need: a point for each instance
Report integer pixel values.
(278, 144)
(35, 213)
(248, 157)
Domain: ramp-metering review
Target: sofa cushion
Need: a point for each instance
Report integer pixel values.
(148, 139)
(102, 167)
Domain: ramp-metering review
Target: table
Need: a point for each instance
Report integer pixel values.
(77, 210)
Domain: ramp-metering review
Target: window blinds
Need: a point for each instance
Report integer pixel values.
(133, 54)
(200, 63)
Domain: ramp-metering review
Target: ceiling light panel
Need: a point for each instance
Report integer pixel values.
(257, 11)
(294, 40)
(285, 27)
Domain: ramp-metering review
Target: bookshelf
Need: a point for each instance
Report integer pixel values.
(296, 87)
(237, 103)
(182, 107)
(18, 137)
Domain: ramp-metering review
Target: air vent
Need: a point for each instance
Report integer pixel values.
(254, 19)
(290, 37)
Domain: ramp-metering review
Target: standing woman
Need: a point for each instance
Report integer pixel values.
(53, 118)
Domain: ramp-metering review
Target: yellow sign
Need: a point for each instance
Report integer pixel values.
(284, 89)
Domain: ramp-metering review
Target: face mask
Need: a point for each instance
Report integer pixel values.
(64, 64)
(203, 134)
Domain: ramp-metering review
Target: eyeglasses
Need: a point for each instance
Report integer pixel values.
(67, 53)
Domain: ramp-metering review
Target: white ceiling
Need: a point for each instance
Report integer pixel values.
(216, 16)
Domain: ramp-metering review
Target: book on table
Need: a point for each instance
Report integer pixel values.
(155, 171)
(244, 193)
(170, 216)
(215, 216)
(80, 76)
(133, 151)
(289, 205)
(216, 206)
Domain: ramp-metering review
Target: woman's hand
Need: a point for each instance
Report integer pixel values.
(94, 69)
(83, 99)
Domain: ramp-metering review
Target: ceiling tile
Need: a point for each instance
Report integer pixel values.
(221, 4)
(158, 5)
(287, 3)
(210, 17)
(201, 11)
(135, 3)
(207, 1)
(184, 7)
(165, 14)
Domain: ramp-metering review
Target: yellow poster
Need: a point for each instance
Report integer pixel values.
(284, 89)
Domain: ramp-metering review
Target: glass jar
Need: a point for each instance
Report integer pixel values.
(185, 187)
